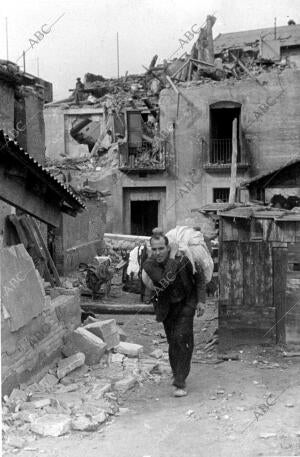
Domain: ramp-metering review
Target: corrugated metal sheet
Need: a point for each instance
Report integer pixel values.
(7, 144)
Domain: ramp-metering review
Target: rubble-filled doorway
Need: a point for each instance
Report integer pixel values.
(144, 208)
(144, 216)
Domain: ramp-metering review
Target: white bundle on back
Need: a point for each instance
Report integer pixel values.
(133, 264)
(191, 242)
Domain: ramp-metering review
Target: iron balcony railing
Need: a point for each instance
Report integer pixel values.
(217, 154)
(220, 150)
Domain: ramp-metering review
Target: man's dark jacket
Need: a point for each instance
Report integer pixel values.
(175, 288)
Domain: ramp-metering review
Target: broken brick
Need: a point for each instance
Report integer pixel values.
(51, 425)
(81, 340)
(65, 366)
(106, 330)
(129, 349)
(125, 384)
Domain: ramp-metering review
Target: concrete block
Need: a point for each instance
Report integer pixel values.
(68, 311)
(81, 340)
(129, 349)
(51, 425)
(65, 366)
(125, 384)
(122, 334)
(106, 330)
(21, 287)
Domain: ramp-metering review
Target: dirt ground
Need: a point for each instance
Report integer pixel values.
(220, 416)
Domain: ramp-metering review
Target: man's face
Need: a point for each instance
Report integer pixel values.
(159, 250)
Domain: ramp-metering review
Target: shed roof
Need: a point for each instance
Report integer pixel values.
(11, 149)
(261, 212)
(269, 175)
(288, 35)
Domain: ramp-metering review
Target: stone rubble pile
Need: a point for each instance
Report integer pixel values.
(83, 391)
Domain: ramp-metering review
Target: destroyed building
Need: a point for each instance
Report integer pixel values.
(30, 339)
(161, 143)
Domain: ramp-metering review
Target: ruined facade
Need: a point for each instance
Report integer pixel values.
(155, 176)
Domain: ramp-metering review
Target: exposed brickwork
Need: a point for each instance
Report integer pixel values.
(28, 350)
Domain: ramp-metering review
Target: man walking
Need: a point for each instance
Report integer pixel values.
(178, 293)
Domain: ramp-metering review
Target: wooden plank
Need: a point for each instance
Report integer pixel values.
(36, 249)
(248, 276)
(292, 321)
(256, 229)
(177, 72)
(19, 229)
(279, 291)
(117, 308)
(267, 225)
(172, 85)
(202, 62)
(46, 251)
(232, 192)
(190, 70)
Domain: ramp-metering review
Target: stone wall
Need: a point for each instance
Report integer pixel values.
(32, 325)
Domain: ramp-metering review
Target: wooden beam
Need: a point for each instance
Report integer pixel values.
(172, 85)
(45, 249)
(149, 70)
(246, 70)
(232, 192)
(36, 250)
(180, 69)
(15, 193)
(117, 308)
(202, 62)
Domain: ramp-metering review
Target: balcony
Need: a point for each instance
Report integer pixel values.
(144, 158)
(217, 155)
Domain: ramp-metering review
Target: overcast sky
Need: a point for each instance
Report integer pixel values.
(84, 37)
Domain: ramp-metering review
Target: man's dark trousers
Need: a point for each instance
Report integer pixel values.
(179, 332)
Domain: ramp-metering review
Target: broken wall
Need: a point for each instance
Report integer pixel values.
(35, 127)
(7, 97)
(59, 120)
(270, 133)
(32, 325)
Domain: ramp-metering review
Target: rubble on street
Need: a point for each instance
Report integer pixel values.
(82, 392)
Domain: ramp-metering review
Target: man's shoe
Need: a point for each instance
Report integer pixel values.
(180, 393)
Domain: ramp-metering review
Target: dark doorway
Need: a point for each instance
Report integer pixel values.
(221, 133)
(144, 217)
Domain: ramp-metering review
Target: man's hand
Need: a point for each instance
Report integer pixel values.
(199, 309)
